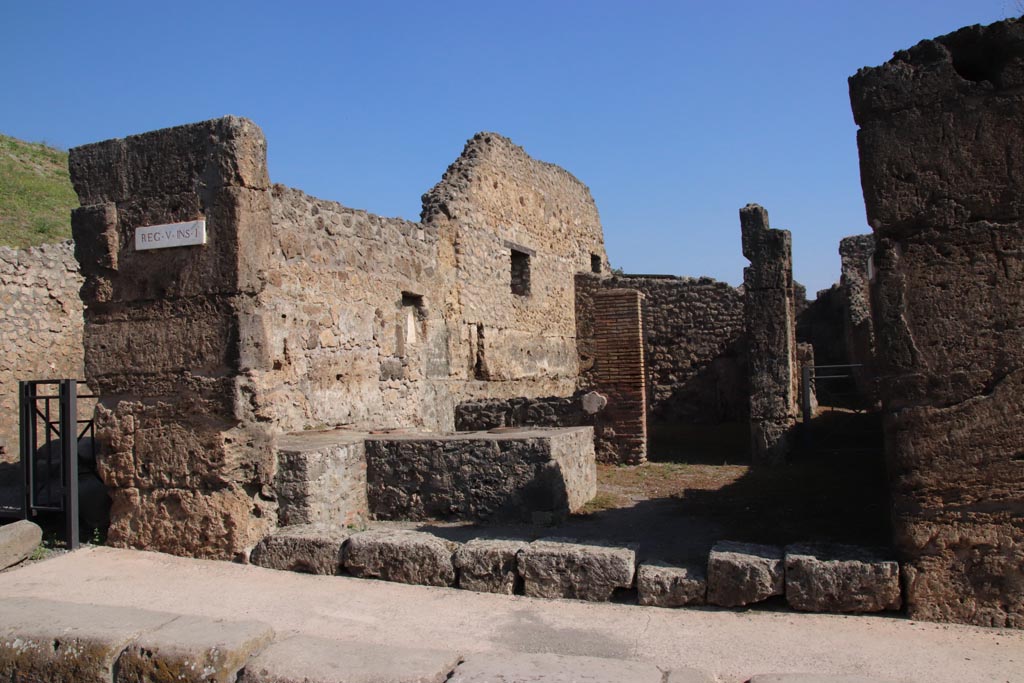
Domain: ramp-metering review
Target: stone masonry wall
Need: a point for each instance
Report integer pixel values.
(770, 321)
(693, 337)
(857, 254)
(940, 145)
(189, 465)
(299, 313)
(40, 326)
(350, 319)
(495, 203)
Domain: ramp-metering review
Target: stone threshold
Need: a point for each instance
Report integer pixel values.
(827, 578)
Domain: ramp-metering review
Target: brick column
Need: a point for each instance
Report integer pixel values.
(619, 371)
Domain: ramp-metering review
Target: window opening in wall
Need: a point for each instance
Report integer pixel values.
(520, 273)
(595, 263)
(411, 317)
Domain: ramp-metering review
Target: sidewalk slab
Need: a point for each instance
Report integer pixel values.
(193, 650)
(305, 659)
(551, 668)
(64, 642)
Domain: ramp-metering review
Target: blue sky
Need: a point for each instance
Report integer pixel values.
(675, 114)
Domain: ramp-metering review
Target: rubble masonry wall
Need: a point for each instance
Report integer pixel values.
(40, 326)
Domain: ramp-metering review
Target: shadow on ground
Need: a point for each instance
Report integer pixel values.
(833, 489)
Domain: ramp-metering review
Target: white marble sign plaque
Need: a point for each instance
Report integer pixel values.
(171, 235)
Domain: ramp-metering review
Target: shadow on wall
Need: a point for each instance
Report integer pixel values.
(718, 392)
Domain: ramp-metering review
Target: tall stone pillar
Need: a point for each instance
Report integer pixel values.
(166, 345)
(770, 321)
(941, 145)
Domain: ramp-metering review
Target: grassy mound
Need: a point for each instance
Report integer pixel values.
(36, 196)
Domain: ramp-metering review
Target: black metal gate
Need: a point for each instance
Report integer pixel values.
(837, 415)
(50, 436)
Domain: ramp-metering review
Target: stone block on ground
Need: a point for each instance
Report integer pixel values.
(841, 578)
(59, 642)
(308, 548)
(193, 650)
(305, 659)
(401, 555)
(488, 565)
(664, 585)
(565, 568)
(516, 667)
(321, 479)
(18, 541)
(744, 573)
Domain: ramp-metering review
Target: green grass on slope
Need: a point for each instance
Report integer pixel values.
(36, 196)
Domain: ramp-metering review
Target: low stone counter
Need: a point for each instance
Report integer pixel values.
(530, 475)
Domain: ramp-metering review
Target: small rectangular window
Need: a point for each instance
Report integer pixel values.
(520, 273)
(595, 263)
(409, 321)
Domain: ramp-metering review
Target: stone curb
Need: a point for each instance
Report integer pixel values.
(826, 578)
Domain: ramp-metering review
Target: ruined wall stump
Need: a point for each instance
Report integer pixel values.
(943, 178)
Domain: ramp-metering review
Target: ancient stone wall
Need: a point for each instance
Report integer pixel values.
(299, 313)
(40, 326)
(498, 212)
(939, 140)
(190, 465)
(350, 318)
(693, 337)
(770, 322)
(857, 254)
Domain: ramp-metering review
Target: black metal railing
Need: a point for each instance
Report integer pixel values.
(50, 436)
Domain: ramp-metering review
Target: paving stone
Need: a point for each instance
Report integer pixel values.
(744, 573)
(564, 568)
(401, 555)
(813, 678)
(193, 649)
(18, 541)
(664, 585)
(689, 676)
(305, 659)
(488, 565)
(305, 548)
(515, 667)
(58, 642)
(841, 578)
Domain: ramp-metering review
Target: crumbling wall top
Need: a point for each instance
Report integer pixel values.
(974, 60)
(229, 151)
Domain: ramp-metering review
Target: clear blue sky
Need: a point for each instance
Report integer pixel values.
(675, 114)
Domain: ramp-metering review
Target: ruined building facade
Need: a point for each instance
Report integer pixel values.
(300, 317)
